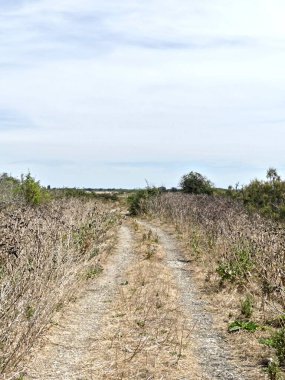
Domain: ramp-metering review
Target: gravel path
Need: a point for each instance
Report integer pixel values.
(211, 350)
(66, 351)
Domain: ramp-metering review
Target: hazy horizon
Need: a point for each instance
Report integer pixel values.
(107, 94)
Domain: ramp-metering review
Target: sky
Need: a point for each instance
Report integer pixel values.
(105, 93)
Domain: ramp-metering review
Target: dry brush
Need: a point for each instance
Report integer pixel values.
(241, 256)
(45, 252)
(238, 246)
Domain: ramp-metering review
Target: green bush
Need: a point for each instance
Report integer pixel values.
(8, 188)
(241, 325)
(94, 272)
(137, 200)
(266, 197)
(238, 267)
(196, 183)
(274, 371)
(278, 342)
(32, 192)
(247, 306)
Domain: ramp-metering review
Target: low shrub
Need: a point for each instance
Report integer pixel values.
(274, 371)
(94, 271)
(137, 200)
(8, 189)
(242, 325)
(237, 267)
(32, 192)
(278, 343)
(247, 306)
(266, 197)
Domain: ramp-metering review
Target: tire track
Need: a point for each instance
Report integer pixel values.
(211, 350)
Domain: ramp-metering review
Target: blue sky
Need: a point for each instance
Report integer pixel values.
(110, 94)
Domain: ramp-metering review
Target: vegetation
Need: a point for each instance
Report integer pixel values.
(274, 371)
(237, 249)
(277, 341)
(8, 189)
(266, 197)
(94, 271)
(54, 238)
(242, 325)
(25, 191)
(238, 267)
(196, 183)
(247, 306)
(31, 191)
(137, 200)
(46, 250)
(28, 191)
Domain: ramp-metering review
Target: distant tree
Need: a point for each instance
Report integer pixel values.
(196, 183)
(162, 189)
(272, 175)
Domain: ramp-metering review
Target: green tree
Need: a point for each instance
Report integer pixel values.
(268, 197)
(272, 175)
(31, 191)
(196, 183)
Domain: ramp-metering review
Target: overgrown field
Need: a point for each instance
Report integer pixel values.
(45, 252)
(237, 250)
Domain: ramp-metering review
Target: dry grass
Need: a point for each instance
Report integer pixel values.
(146, 334)
(45, 253)
(225, 307)
(247, 249)
(215, 232)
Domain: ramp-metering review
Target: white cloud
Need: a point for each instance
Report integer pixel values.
(195, 83)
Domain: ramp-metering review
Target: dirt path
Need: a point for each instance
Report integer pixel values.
(133, 322)
(211, 351)
(66, 348)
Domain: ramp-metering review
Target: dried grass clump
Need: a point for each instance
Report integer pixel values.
(239, 247)
(43, 253)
